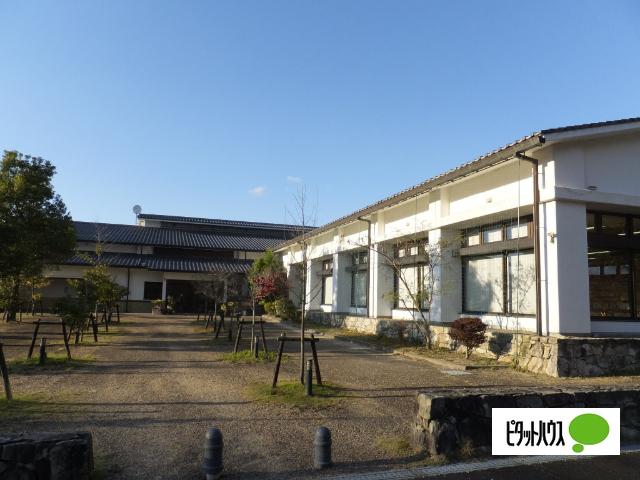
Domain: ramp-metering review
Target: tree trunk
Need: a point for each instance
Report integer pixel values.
(12, 308)
(304, 303)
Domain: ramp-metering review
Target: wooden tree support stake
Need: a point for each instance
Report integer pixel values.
(312, 341)
(5, 375)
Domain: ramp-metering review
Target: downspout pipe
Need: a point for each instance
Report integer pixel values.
(535, 168)
(362, 219)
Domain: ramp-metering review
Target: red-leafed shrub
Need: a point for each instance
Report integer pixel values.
(468, 331)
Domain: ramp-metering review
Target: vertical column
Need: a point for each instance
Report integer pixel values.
(164, 289)
(447, 297)
(565, 276)
(314, 284)
(381, 286)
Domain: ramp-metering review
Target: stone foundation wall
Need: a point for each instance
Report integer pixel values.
(557, 356)
(46, 456)
(446, 422)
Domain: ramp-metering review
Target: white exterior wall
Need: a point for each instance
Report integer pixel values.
(568, 166)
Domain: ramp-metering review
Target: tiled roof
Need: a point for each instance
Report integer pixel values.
(485, 161)
(167, 237)
(164, 264)
(219, 222)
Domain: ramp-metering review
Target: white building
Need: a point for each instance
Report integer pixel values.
(167, 256)
(586, 237)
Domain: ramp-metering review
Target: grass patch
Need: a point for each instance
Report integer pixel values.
(293, 394)
(32, 406)
(394, 446)
(246, 356)
(54, 362)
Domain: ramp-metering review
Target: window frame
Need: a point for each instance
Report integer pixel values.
(504, 254)
(324, 274)
(417, 260)
(629, 244)
(359, 264)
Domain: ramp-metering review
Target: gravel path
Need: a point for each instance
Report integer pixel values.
(158, 383)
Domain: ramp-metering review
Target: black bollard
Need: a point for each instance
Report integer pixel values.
(322, 447)
(43, 351)
(308, 382)
(256, 343)
(212, 464)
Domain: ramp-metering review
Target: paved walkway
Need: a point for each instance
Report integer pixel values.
(160, 382)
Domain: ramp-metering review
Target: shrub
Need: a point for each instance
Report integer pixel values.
(468, 331)
(284, 308)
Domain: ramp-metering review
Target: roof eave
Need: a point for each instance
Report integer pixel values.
(494, 158)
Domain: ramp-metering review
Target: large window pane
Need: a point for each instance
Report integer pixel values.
(521, 278)
(515, 231)
(614, 225)
(484, 284)
(359, 289)
(327, 290)
(407, 286)
(609, 277)
(492, 234)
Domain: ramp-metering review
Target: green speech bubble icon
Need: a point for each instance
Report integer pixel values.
(588, 429)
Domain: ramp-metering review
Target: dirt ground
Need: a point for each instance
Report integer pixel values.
(157, 383)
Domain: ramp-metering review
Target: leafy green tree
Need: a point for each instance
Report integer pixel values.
(35, 227)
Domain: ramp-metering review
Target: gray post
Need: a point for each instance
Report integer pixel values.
(309, 379)
(212, 463)
(322, 447)
(255, 346)
(43, 351)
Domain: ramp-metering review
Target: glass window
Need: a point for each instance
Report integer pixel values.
(609, 291)
(407, 286)
(591, 221)
(484, 284)
(359, 278)
(473, 237)
(521, 278)
(327, 290)
(636, 226)
(614, 225)
(515, 231)
(492, 234)
(360, 258)
(359, 289)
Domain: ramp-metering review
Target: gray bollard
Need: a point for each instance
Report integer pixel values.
(212, 463)
(256, 343)
(322, 447)
(43, 351)
(308, 379)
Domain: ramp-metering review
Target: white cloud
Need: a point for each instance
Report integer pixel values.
(292, 179)
(258, 191)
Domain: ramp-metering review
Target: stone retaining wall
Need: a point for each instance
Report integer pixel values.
(446, 422)
(46, 456)
(557, 356)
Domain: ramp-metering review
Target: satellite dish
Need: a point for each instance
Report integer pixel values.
(137, 209)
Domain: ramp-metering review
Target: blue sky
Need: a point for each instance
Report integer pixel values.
(223, 108)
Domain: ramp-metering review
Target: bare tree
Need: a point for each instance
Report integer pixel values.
(304, 218)
(415, 264)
